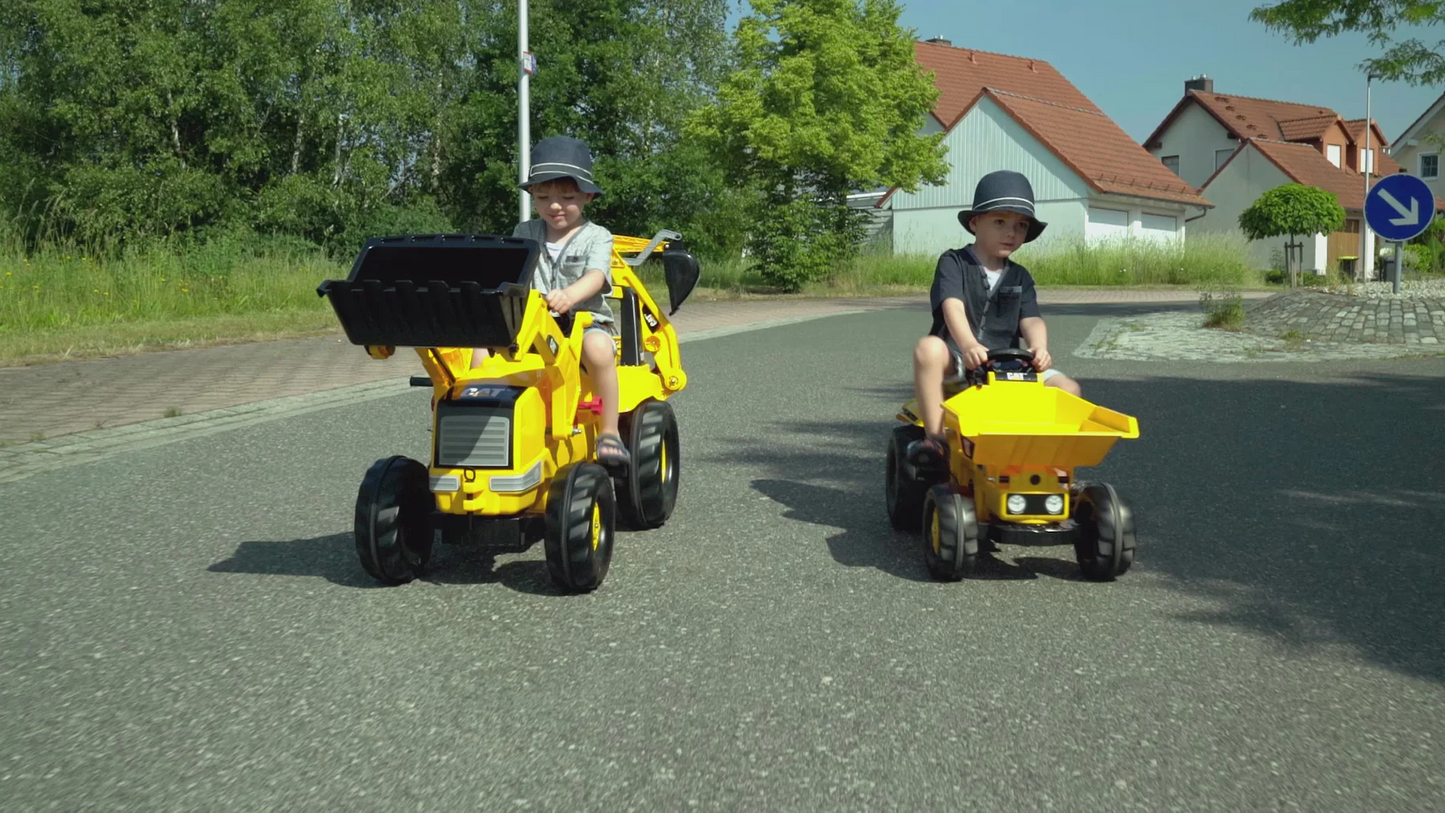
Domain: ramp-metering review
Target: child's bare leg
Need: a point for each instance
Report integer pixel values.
(479, 355)
(597, 353)
(930, 361)
(1065, 383)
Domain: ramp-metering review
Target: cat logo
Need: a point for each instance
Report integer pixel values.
(649, 318)
(486, 392)
(552, 345)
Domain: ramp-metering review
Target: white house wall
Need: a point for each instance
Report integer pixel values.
(1408, 153)
(988, 139)
(933, 231)
(1194, 136)
(985, 140)
(1235, 189)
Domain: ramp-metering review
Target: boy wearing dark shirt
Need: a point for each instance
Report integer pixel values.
(982, 301)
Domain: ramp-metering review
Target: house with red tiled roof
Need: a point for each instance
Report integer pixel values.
(1091, 181)
(1271, 143)
(1418, 149)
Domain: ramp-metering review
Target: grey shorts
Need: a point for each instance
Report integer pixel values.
(955, 371)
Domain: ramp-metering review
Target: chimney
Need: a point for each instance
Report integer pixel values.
(1201, 83)
(939, 41)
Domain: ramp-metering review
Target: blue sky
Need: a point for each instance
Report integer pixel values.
(1131, 57)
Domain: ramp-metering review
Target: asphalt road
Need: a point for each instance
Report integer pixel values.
(187, 627)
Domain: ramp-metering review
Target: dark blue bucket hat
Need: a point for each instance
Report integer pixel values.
(1004, 190)
(562, 157)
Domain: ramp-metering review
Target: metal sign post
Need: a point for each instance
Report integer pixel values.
(526, 67)
(1393, 208)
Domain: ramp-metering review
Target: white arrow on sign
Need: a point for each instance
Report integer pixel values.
(1408, 217)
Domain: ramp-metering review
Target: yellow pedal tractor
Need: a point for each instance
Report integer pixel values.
(1013, 446)
(514, 440)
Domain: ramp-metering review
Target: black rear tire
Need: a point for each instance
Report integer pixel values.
(391, 527)
(903, 488)
(580, 522)
(1105, 544)
(950, 534)
(648, 492)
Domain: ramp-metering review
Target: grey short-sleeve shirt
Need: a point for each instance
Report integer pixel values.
(588, 249)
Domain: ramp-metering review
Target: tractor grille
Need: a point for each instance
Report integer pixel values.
(474, 437)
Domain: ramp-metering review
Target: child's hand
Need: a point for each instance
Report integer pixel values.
(1042, 359)
(560, 300)
(974, 355)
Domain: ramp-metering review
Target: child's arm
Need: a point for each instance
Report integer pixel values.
(955, 315)
(597, 278)
(1031, 324)
(562, 299)
(1037, 335)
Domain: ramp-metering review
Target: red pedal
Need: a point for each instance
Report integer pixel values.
(594, 406)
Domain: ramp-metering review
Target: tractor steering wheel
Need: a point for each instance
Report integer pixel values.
(1010, 354)
(1005, 358)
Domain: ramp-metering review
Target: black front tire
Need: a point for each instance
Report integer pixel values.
(580, 522)
(1105, 543)
(648, 493)
(950, 534)
(391, 527)
(903, 489)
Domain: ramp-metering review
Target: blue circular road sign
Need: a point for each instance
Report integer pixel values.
(1399, 207)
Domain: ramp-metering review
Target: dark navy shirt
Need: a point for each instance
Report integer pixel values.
(992, 316)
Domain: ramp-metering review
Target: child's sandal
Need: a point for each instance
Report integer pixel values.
(611, 452)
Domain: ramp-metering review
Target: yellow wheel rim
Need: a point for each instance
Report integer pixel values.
(596, 526)
(937, 532)
(662, 461)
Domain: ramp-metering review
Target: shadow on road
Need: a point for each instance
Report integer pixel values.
(1310, 513)
(334, 559)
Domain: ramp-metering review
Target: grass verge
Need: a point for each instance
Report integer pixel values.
(61, 302)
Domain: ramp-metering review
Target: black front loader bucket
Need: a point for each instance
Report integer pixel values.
(435, 290)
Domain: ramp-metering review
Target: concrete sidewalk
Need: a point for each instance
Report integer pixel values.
(48, 401)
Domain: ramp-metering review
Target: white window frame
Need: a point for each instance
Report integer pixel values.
(1367, 159)
(1421, 162)
(1220, 156)
(1335, 154)
(1165, 161)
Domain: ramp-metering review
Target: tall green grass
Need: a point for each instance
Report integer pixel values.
(64, 298)
(1207, 259)
(60, 287)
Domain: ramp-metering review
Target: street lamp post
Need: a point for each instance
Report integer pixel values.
(524, 124)
(1367, 257)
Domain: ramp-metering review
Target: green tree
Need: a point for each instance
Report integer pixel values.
(620, 74)
(1410, 60)
(1292, 210)
(826, 99)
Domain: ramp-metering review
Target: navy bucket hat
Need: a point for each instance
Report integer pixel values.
(1004, 190)
(562, 157)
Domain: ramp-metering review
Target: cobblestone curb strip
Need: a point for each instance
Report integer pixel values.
(1352, 319)
(1180, 337)
(28, 459)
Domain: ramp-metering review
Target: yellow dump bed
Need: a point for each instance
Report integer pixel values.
(1027, 424)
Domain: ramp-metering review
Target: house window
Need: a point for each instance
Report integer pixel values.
(1332, 152)
(1171, 162)
(1220, 156)
(1429, 165)
(1367, 160)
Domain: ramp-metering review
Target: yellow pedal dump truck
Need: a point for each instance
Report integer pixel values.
(514, 437)
(1013, 446)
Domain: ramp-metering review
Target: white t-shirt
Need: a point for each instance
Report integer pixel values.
(554, 249)
(993, 278)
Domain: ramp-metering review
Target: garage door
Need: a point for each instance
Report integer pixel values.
(1106, 223)
(1159, 227)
